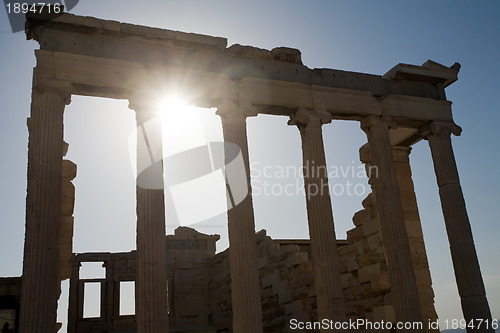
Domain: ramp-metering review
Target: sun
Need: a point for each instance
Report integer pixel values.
(182, 126)
(170, 104)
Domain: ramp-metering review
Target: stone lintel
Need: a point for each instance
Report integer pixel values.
(85, 24)
(84, 75)
(429, 71)
(153, 47)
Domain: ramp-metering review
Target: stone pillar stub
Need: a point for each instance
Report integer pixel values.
(41, 285)
(245, 282)
(73, 294)
(463, 252)
(151, 275)
(325, 258)
(392, 224)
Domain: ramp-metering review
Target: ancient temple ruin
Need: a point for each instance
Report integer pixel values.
(379, 273)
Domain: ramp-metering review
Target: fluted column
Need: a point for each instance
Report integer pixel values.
(463, 252)
(73, 295)
(325, 258)
(151, 274)
(41, 286)
(110, 286)
(245, 283)
(392, 222)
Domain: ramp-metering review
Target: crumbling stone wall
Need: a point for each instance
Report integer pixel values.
(365, 277)
(67, 219)
(188, 256)
(10, 299)
(287, 288)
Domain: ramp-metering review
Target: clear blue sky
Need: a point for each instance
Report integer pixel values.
(363, 36)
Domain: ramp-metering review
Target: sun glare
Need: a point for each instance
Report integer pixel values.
(186, 127)
(182, 126)
(171, 104)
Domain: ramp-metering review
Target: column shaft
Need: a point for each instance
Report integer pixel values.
(245, 281)
(151, 275)
(40, 287)
(73, 295)
(415, 234)
(325, 258)
(110, 286)
(392, 223)
(463, 252)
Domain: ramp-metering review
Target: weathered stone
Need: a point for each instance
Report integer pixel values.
(296, 258)
(352, 265)
(348, 280)
(287, 54)
(370, 227)
(354, 235)
(385, 313)
(365, 273)
(373, 241)
(249, 51)
(360, 218)
(68, 170)
(380, 281)
(294, 307)
(68, 198)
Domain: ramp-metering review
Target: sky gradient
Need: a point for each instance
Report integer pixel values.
(361, 36)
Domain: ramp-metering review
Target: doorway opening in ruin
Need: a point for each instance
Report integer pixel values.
(97, 131)
(199, 201)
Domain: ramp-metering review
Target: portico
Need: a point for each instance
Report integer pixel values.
(398, 109)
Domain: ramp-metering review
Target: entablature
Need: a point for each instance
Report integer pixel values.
(93, 57)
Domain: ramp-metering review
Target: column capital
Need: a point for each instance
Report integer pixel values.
(232, 110)
(64, 95)
(141, 100)
(371, 121)
(310, 118)
(143, 106)
(442, 129)
(401, 153)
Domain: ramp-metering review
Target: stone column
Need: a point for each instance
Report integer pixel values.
(463, 252)
(110, 286)
(73, 294)
(245, 282)
(400, 155)
(415, 234)
(392, 222)
(41, 286)
(325, 258)
(151, 274)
